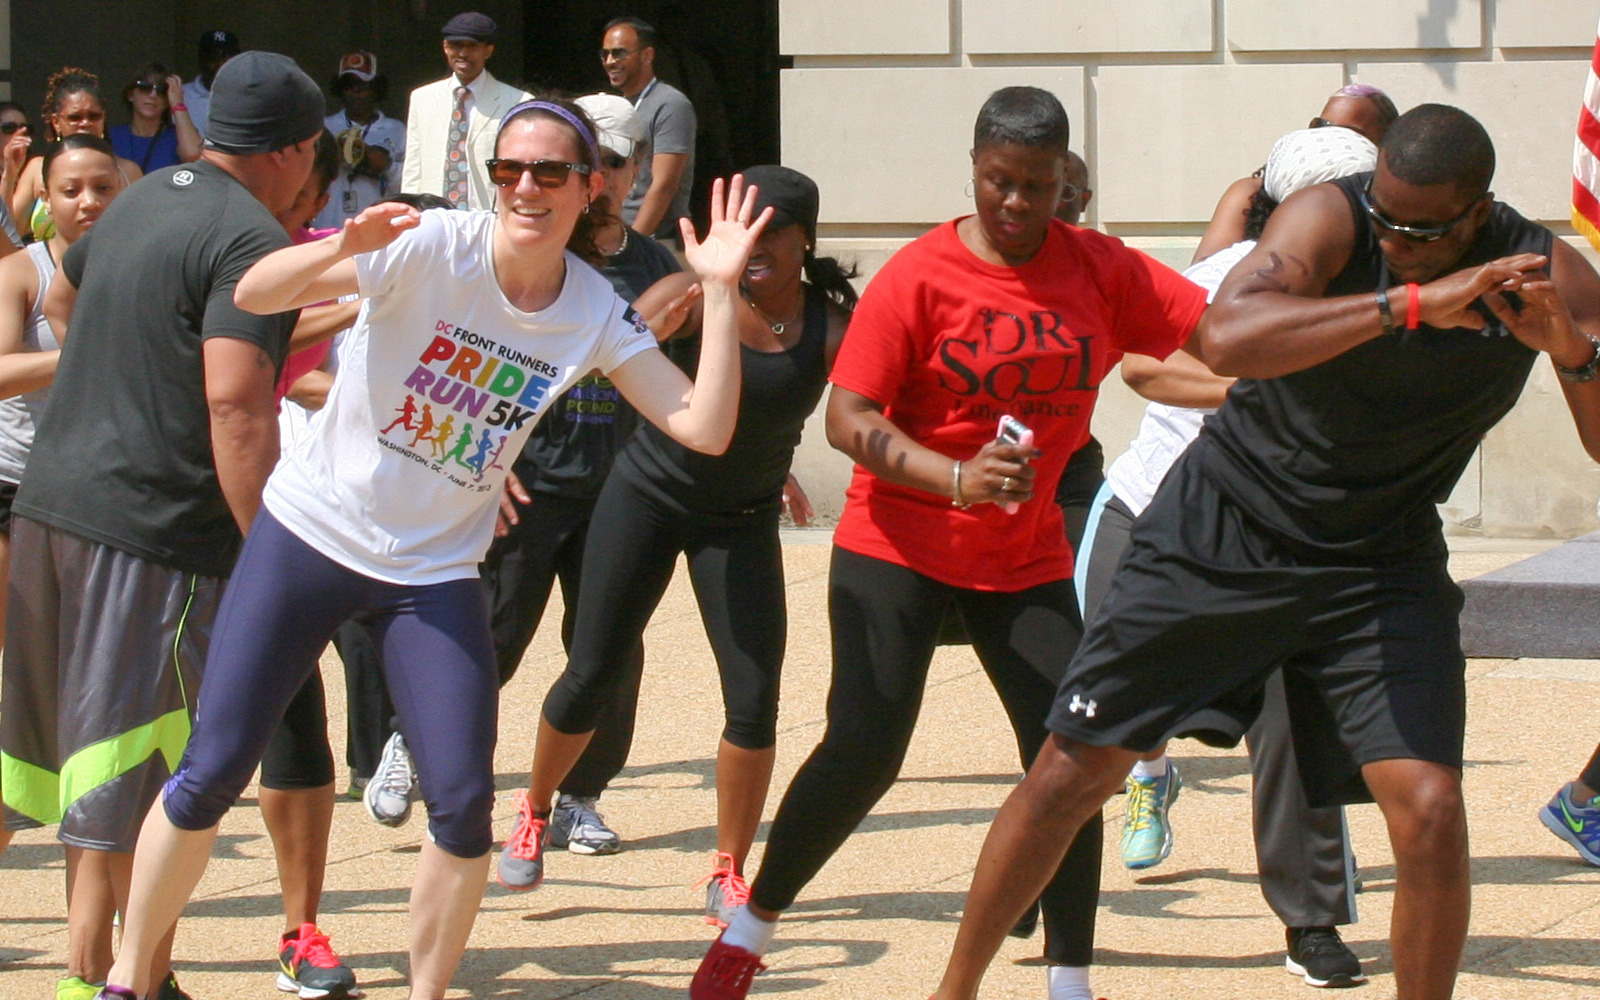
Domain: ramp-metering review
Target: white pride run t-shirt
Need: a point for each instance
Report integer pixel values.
(442, 379)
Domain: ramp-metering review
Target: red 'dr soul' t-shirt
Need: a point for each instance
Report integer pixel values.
(948, 343)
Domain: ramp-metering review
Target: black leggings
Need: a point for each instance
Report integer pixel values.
(298, 755)
(885, 619)
(736, 567)
(547, 543)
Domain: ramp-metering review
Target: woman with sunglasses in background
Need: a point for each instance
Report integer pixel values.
(480, 319)
(72, 104)
(720, 512)
(1359, 107)
(15, 144)
(161, 133)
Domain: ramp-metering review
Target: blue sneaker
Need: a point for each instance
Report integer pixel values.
(1146, 834)
(1577, 825)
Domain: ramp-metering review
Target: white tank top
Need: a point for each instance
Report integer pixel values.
(20, 414)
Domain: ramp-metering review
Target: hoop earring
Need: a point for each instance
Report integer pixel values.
(970, 191)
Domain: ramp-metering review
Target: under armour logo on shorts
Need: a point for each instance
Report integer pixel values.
(1079, 705)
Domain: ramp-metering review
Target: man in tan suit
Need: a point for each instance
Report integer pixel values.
(451, 125)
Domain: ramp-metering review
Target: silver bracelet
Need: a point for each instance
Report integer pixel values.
(956, 499)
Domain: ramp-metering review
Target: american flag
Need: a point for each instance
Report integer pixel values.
(1586, 158)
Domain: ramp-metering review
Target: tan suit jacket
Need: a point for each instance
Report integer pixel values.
(428, 133)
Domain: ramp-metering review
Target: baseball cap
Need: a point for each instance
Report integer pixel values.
(218, 43)
(472, 27)
(260, 102)
(361, 65)
(791, 194)
(618, 126)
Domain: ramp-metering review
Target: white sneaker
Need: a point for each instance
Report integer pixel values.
(577, 825)
(388, 796)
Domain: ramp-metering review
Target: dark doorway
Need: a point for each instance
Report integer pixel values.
(722, 53)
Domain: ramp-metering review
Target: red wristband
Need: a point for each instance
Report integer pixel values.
(180, 107)
(1413, 305)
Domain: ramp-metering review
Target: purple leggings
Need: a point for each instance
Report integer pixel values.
(283, 603)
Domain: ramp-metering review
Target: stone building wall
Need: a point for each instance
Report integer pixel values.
(1170, 101)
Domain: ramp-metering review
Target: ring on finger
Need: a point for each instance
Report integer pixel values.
(1005, 485)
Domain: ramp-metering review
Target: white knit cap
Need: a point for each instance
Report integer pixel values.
(1316, 155)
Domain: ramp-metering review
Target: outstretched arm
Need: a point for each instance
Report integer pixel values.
(1180, 380)
(322, 269)
(1269, 319)
(701, 414)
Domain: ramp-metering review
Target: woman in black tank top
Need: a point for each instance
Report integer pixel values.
(721, 512)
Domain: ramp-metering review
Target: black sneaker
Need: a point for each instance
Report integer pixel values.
(308, 967)
(170, 990)
(1318, 956)
(1028, 923)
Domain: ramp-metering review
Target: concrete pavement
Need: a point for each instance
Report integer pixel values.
(879, 919)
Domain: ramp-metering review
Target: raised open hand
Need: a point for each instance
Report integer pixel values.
(377, 227)
(1447, 302)
(15, 153)
(721, 256)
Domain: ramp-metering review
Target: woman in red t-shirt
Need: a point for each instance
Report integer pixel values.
(1002, 313)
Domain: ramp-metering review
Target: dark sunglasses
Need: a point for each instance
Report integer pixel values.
(149, 86)
(617, 54)
(546, 173)
(1417, 234)
(11, 128)
(1324, 123)
(611, 161)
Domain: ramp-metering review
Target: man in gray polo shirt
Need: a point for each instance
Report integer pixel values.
(660, 196)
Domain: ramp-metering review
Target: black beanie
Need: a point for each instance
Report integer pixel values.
(261, 102)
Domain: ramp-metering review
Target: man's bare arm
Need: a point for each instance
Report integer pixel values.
(666, 170)
(1269, 319)
(244, 421)
(1558, 317)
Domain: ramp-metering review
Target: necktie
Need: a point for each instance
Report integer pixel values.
(455, 164)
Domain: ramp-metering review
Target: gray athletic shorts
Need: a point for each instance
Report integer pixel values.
(103, 656)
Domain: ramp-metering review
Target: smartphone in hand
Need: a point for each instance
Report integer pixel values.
(1013, 431)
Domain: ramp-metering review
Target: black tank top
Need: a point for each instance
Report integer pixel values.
(779, 391)
(1349, 457)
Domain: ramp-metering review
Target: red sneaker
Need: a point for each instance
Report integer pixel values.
(725, 973)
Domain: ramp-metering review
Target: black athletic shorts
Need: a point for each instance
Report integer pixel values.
(8, 496)
(1205, 604)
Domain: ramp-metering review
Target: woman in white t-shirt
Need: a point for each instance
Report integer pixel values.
(472, 323)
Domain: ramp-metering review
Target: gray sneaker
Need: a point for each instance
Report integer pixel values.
(521, 865)
(726, 890)
(578, 826)
(390, 792)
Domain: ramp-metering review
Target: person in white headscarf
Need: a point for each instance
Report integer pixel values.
(1304, 858)
(1355, 107)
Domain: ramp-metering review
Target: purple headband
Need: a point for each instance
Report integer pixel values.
(555, 109)
(1359, 90)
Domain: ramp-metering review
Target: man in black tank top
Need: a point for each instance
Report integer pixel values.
(1381, 326)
